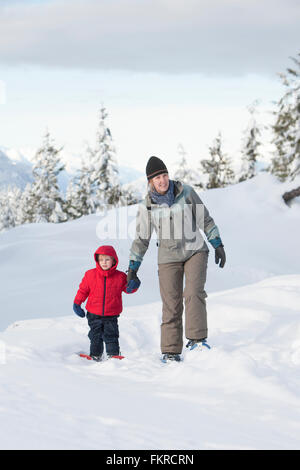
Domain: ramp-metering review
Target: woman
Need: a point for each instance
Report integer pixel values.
(176, 213)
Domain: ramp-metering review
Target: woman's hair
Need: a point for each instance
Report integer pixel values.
(151, 185)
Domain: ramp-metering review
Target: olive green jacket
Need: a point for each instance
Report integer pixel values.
(178, 227)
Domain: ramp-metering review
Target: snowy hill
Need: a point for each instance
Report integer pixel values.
(244, 393)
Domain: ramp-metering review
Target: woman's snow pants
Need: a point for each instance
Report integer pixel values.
(171, 276)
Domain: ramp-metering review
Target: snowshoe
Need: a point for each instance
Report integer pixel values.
(109, 356)
(197, 343)
(90, 358)
(170, 357)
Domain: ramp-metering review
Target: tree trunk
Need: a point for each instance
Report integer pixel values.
(289, 195)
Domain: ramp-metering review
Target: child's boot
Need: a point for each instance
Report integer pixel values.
(96, 358)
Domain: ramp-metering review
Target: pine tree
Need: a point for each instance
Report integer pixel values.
(286, 162)
(7, 219)
(251, 144)
(5, 216)
(48, 202)
(80, 197)
(96, 184)
(182, 173)
(71, 205)
(295, 131)
(10, 207)
(26, 213)
(128, 197)
(15, 196)
(218, 167)
(104, 174)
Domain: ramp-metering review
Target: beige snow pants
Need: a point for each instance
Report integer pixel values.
(171, 290)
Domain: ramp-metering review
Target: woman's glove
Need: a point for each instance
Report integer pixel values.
(78, 310)
(220, 255)
(133, 282)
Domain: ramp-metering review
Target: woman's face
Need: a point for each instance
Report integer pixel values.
(161, 183)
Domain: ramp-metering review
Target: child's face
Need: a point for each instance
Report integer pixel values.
(105, 262)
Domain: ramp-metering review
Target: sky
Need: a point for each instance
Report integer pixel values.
(169, 72)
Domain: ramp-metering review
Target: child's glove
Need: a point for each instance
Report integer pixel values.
(78, 310)
(133, 282)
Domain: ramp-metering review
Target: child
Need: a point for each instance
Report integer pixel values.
(103, 286)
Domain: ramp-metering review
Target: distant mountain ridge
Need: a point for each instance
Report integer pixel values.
(13, 172)
(16, 170)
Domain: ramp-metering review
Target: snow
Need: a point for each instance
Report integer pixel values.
(241, 394)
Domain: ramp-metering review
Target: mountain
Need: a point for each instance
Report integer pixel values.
(128, 175)
(16, 170)
(242, 394)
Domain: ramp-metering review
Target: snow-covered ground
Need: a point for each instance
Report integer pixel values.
(242, 394)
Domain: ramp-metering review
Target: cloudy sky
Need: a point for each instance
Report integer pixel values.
(168, 71)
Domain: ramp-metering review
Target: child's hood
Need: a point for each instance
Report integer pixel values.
(108, 251)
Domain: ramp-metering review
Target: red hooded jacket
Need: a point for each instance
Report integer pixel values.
(103, 288)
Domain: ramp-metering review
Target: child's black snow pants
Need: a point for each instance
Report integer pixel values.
(103, 329)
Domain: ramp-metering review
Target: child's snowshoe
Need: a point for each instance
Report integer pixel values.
(117, 356)
(90, 358)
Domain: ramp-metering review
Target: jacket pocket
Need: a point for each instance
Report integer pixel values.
(169, 244)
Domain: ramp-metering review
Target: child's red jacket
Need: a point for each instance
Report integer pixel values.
(103, 288)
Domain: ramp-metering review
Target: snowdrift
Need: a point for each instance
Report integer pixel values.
(243, 394)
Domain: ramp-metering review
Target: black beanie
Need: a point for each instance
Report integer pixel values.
(155, 167)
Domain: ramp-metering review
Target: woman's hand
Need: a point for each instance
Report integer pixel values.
(220, 255)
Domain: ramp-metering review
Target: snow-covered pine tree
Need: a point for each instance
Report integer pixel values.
(5, 216)
(183, 173)
(105, 174)
(286, 162)
(26, 213)
(218, 167)
(295, 131)
(128, 197)
(48, 202)
(9, 207)
(72, 201)
(251, 144)
(15, 196)
(80, 197)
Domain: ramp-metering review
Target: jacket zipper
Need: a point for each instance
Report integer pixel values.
(103, 307)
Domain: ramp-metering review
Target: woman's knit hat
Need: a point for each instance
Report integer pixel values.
(155, 167)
